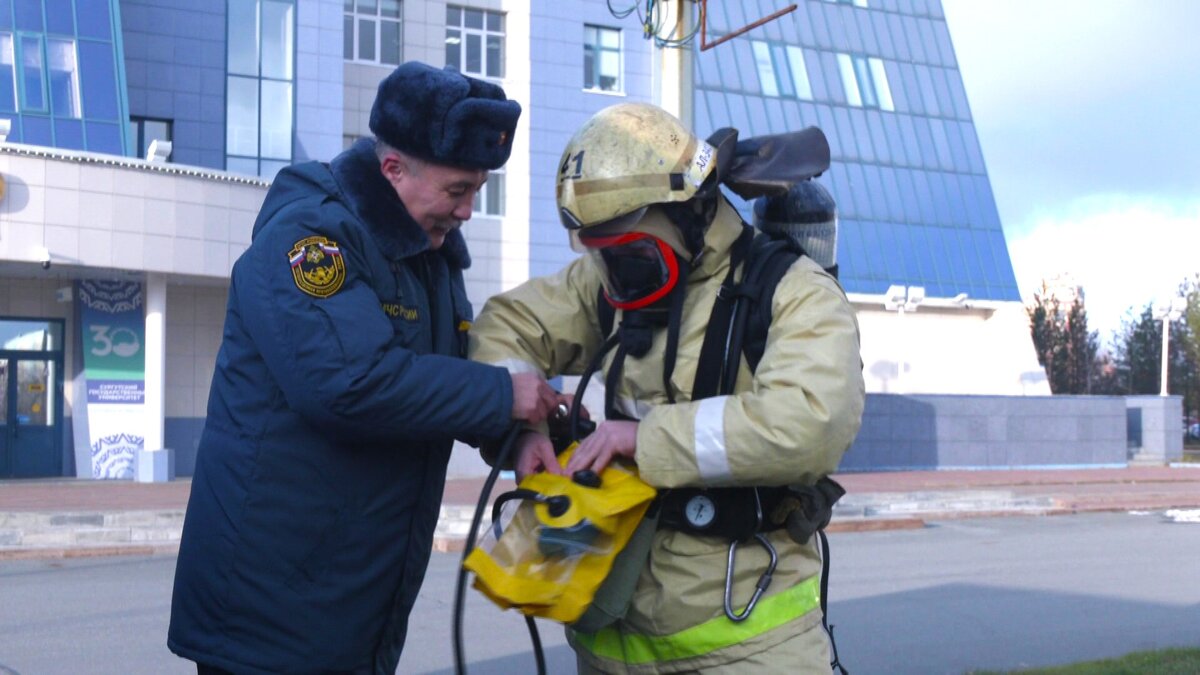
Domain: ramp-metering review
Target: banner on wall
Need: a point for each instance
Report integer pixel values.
(112, 333)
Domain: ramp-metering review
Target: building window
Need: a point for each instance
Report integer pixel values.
(475, 41)
(601, 58)
(766, 70)
(769, 61)
(865, 82)
(856, 3)
(145, 130)
(64, 78)
(489, 201)
(8, 80)
(371, 31)
(260, 86)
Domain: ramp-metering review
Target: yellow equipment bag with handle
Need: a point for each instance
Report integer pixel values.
(547, 556)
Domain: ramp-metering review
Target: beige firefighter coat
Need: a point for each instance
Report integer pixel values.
(789, 422)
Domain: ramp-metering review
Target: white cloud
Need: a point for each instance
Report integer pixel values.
(1124, 252)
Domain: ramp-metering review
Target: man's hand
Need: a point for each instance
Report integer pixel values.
(535, 453)
(613, 438)
(533, 398)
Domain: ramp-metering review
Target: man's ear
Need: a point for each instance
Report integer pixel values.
(393, 167)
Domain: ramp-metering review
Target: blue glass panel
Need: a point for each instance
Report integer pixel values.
(946, 45)
(59, 17)
(930, 42)
(896, 24)
(816, 75)
(923, 255)
(883, 34)
(954, 257)
(68, 134)
(909, 137)
(6, 19)
(958, 206)
(827, 124)
(925, 142)
(958, 153)
(718, 111)
(782, 71)
(104, 137)
(891, 128)
(718, 22)
(942, 93)
(816, 17)
(924, 197)
(932, 237)
(879, 140)
(1003, 261)
(941, 201)
(800, 22)
(988, 200)
(941, 145)
(33, 90)
(866, 31)
(744, 77)
(738, 119)
(858, 190)
(841, 28)
(928, 98)
(990, 270)
(28, 15)
(913, 32)
(707, 68)
(849, 249)
(94, 19)
(891, 195)
(777, 120)
(835, 89)
(971, 143)
(875, 197)
(703, 123)
(966, 187)
(863, 134)
(758, 117)
(835, 181)
(36, 130)
(958, 94)
(888, 265)
(910, 88)
(845, 132)
(808, 115)
(8, 80)
(737, 15)
(908, 195)
(98, 79)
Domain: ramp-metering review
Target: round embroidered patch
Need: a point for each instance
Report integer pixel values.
(317, 266)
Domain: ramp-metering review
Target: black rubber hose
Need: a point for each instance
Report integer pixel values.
(506, 449)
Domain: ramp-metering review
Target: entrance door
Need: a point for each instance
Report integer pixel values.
(31, 399)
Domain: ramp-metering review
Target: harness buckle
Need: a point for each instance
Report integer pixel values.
(763, 581)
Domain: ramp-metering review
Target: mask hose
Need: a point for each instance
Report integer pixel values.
(502, 458)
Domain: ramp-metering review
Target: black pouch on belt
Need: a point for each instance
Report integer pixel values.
(728, 513)
(808, 508)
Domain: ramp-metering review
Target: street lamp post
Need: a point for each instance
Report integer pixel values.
(902, 299)
(1168, 313)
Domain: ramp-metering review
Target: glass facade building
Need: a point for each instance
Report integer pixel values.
(881, 80)
(62, 81)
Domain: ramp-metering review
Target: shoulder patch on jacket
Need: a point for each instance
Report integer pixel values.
(317, 266)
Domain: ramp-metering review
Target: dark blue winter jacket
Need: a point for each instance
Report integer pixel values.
(339, 388)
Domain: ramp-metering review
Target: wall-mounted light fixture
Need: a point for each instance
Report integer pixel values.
(159, 151)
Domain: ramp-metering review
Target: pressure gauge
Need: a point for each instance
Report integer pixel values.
(700, 511)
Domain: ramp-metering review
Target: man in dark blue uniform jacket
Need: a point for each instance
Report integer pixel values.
(339, 389)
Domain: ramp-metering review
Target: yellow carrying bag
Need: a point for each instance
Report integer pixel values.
(553, 542)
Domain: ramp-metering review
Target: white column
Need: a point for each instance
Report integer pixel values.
(153, 462)
(675, 63)
(1165, 354)
(514, 227)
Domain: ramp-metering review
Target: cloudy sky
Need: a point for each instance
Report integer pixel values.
(1088, 112)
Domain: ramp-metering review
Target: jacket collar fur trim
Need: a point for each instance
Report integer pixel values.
(374, 201)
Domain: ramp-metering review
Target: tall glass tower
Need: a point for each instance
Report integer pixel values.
(879, 77)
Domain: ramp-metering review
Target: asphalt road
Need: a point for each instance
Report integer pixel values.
(1000, 593)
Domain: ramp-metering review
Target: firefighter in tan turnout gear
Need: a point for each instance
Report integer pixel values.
(639, 194)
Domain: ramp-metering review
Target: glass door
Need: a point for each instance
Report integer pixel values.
(31, 363)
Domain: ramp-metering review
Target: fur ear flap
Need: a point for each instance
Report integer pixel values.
(445, 117)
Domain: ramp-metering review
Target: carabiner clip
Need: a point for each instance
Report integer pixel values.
(763, 581)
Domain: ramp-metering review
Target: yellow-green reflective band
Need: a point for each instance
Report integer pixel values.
(714, 634)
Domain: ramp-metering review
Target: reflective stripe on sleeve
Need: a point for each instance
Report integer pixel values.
(714, 634)
(517, 366)
(711, 458)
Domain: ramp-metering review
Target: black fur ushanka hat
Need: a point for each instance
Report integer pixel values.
(445, 117)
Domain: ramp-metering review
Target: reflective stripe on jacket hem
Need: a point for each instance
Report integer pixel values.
(714, 634)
